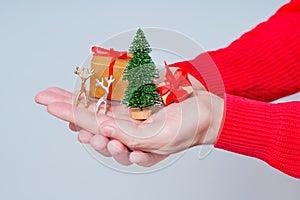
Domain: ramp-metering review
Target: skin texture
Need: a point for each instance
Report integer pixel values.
(171, 129)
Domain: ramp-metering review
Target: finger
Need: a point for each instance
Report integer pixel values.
(119, 152)
(79, 116)
(74, 127)
(99, 143)
(54, 95)
(48, 97)
(145, 159)
(84, 136)
(146, 136)
(60, 91)
(110, 130)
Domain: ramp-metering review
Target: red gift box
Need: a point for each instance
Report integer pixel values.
(176, 88)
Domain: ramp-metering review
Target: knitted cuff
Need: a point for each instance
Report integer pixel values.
(270, 132)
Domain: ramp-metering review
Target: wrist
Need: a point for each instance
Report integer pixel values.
(216, 120)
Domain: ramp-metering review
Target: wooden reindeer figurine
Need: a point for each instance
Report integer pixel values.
(84, 75)
(103, 99)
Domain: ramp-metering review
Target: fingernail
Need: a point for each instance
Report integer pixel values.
(108, 131)
(136, 158)
(116, 150)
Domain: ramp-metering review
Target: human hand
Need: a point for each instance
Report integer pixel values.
(184, 126)
(172, 129)
(54, 98)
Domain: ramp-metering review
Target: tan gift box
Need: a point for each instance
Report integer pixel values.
(105, 63)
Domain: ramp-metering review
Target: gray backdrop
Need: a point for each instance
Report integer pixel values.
(42, 42)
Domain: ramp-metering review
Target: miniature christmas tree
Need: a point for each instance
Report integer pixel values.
(140, 73)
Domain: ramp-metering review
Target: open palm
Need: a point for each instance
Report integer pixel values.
(169, 130)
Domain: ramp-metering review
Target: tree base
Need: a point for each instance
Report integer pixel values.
(137, 113)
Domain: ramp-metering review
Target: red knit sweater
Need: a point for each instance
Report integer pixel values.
(259, 67)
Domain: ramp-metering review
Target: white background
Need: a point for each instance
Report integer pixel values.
(42, 42)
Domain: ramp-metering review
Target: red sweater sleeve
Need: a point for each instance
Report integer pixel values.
(270, 132)
(263, 64)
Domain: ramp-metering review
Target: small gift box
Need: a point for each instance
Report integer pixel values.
(176, 88)
(106, 63)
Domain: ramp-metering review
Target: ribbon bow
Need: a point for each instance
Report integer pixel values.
(174, 85)
(98, 51)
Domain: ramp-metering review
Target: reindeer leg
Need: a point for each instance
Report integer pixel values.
(98, 105)
(77, 99)
(104, 109)
(86, 100)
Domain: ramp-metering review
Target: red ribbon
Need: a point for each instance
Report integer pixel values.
(174, 84)
(98, 51)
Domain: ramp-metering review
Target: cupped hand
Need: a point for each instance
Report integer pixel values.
(171, 129)
(59, 103)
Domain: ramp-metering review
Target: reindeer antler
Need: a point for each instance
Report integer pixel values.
(100, 83)
(103, 99)
(79, 72)
(110, 80)
(90, 72)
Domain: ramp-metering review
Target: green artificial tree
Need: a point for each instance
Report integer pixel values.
(140, 73)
